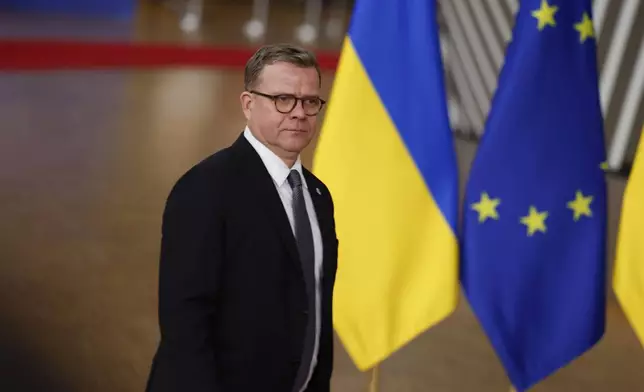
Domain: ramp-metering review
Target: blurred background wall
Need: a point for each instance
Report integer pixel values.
(97, 8)
(87, 158)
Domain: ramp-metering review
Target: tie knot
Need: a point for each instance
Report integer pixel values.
(294, 179)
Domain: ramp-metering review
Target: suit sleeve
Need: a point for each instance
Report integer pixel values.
(190, 263)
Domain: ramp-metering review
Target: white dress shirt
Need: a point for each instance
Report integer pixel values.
(279, 173)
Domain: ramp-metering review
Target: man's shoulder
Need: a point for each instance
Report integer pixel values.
(207, 175)
(216, 165)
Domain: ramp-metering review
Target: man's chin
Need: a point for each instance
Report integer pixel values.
(296, 144)
(296, 149)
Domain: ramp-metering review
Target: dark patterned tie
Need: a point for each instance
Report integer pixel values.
(304, 238)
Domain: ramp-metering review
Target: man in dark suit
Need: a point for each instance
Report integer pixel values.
(249, 249)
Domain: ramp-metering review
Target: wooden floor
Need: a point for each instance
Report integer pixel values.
(86, 161)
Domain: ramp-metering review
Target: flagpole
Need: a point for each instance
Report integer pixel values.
(373, 385)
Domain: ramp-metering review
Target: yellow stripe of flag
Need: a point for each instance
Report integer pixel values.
(628, 279)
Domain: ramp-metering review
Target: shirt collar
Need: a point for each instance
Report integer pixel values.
(274, 164)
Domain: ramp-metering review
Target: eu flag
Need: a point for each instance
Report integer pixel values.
(535, 205)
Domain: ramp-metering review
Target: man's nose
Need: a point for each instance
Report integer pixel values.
(298, 110)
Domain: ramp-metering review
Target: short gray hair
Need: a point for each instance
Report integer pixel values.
(270, 54)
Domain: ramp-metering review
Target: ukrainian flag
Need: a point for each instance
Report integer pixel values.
(386, 153)
(628, 279)
(534, 233)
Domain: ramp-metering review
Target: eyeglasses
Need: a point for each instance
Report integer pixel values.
(285, 103)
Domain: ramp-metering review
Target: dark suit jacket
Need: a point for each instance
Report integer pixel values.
(233, 304)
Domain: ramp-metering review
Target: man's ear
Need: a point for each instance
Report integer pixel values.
(246, 101)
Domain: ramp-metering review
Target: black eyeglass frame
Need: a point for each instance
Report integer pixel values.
(295, 101)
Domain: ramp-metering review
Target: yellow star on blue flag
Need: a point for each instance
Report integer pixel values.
(535, 274)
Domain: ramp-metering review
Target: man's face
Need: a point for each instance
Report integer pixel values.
(286, 134)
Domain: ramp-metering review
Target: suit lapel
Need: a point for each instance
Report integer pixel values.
(321, 210)
(262, 184)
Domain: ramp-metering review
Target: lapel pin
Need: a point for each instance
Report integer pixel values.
(318, 191)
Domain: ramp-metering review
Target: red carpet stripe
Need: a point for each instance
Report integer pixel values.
(18, 55)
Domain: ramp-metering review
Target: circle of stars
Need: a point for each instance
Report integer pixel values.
(535, 220)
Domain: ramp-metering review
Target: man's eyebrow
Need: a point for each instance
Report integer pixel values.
(299, 96)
